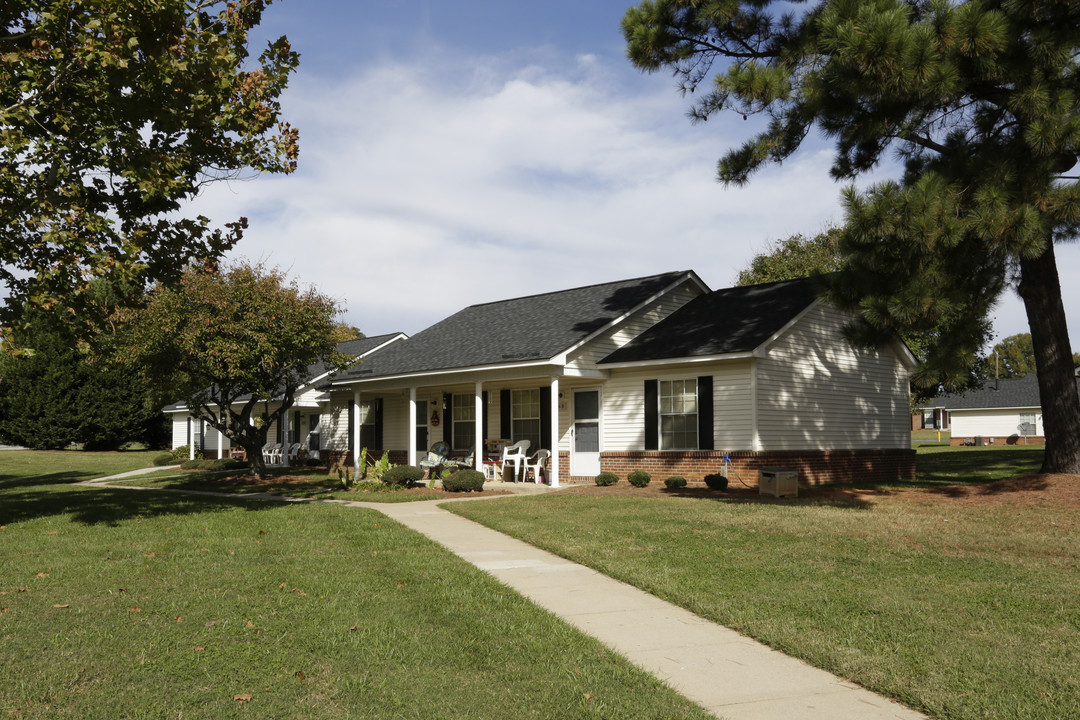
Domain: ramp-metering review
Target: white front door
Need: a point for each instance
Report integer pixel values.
(585, 433)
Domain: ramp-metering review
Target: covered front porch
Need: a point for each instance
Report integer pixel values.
(553, 410)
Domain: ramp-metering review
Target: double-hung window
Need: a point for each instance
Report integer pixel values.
(464, 418)
(525, 416)
(678, 414)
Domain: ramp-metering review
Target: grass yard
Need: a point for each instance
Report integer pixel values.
(960, 601)
(124, 604)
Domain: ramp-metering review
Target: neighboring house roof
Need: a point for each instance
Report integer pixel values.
(353, 348)
(533, 328)
(1020, 392)
(733, 320)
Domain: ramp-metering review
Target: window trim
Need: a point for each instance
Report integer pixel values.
(691, 417)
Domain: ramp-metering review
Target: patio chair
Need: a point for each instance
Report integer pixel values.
(294, 451)
(467, 463)
(514, 454)
(272, 453)
(535, 464)
(437, 457)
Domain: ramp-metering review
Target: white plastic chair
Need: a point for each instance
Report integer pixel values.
(294, 451)
(514, 454)
(272, 456)
(536, 463)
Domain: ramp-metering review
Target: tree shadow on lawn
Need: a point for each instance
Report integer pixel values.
(104, 506)
(974, 466)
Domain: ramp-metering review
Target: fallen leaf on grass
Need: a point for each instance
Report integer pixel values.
(135, 609)
(212, 623)
(58, 605)
(4, 609)
(249, 624)
(53, 532)
(242, 697)
(200, 648)
(588, 697)
(23, 589)
(352, 629)
(151, 554)
(300, 674)
(298, 591)
(42, 575)
(179, 619)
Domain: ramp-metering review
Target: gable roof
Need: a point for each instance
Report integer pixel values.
(733, 320)
(1022, 392)
(521, 330)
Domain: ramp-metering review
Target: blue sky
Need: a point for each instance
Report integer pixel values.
(463, 151)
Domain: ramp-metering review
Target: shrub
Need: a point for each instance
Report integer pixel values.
(164, 459)
(675, 482)
(181, 453)
(405, 475)
(639, 478)
(605, 479)
(716, 481)
(464, 481)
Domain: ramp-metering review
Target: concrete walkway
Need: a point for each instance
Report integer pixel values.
(732, 676)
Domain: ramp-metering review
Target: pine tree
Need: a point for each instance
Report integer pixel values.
(981, 101)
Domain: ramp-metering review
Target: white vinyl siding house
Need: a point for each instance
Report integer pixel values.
(995, 422)
(815, 391)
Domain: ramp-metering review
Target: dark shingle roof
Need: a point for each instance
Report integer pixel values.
(724, 321)
(536, 327)
(1008, 393)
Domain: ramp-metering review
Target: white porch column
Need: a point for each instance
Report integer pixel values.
(286, 418)
(191, 436)
(356, 433)
(555, 432)
(478, 454)
(411, 455)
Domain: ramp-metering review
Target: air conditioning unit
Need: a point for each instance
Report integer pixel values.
(779, 482)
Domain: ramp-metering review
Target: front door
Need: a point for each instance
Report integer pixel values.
(585, 434)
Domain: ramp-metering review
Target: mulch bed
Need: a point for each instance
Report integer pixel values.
(1027, 490)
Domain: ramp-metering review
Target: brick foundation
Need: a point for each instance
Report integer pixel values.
(999, 440)
(816, 467)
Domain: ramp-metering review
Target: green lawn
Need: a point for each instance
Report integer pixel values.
(961, 611)
(125, 604)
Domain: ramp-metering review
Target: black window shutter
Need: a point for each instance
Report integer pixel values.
(448, 419)
(504, 414)
(652, 415)
(545, 419)
(378, 425)
(484, 419)
(705, 413)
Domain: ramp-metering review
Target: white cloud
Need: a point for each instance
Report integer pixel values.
(425, 188)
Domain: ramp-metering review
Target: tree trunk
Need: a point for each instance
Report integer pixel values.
(1041, 291)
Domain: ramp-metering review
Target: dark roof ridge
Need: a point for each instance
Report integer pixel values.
(672, 273)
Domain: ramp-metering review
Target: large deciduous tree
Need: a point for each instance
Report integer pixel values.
(244, 336)
(981, 102)
(113, 113)
(794, 257)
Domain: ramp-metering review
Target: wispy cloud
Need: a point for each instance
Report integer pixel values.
(430, 186)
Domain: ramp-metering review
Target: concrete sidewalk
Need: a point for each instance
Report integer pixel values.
(730, 675)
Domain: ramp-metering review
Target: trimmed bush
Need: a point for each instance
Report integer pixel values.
(606, 478)
(404, 475)
(675, 482)
(464, 481)
(163, 459)
(716, 481)
(181, 453)
(639, 478)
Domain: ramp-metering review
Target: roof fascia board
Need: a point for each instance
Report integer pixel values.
(440, 373)
(679, 360)
(763, 348)
(561, 358)
(993, 407)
